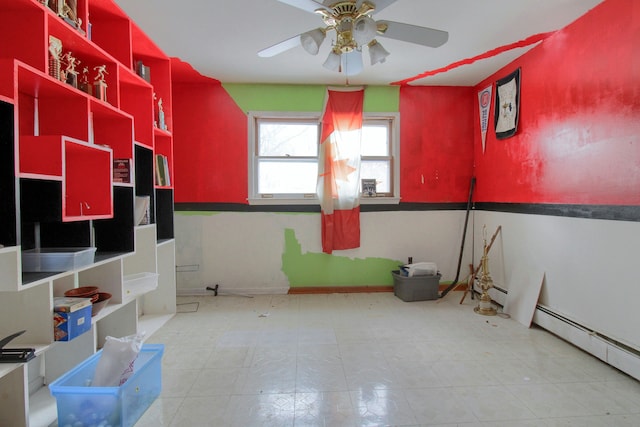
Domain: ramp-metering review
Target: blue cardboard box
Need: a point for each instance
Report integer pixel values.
(71, 317)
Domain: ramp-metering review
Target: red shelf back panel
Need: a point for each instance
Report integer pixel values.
(143, 46)
(164, 146)
(137, 100)
(161, 80)
(59, 108)
(18, 17)
(114, 131)
(26, 108)
(63, 115)
(8, 78)
(41, 155)
(88, 192)
(112, 33)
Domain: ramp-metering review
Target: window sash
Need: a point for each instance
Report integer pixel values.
(260, 190)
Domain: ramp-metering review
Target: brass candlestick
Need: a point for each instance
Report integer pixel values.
(486, 282)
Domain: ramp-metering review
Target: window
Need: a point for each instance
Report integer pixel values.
(283, 157)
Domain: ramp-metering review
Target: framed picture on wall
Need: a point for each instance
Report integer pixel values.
(507, 106)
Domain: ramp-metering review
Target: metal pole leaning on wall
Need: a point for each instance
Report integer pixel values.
(464, 234)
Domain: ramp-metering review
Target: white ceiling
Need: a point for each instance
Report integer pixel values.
(220, 39)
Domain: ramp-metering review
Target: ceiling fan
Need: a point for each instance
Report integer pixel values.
(355, 28)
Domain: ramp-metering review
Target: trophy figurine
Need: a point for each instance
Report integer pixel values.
(68, 10)
(484, 306)
(161, 123)
(100, 85)
(55, 58)
(71, 74)
(84, 84)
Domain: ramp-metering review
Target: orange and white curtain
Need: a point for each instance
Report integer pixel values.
(339, 169)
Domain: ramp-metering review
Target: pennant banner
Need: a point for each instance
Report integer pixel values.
(484, 104)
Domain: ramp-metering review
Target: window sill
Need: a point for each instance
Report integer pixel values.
(314, 201)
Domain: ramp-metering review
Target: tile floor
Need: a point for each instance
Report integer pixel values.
(374, 360)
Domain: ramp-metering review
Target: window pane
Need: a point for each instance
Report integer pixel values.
(380, 170)
(285, 177)
(288, 139)
(375, 140)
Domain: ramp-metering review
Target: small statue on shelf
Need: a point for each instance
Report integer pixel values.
(161, 123)
(100, 85)
(68, 11)
(70, 72)
(84, 81)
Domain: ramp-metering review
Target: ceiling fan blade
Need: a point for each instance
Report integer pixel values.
(352, 63)
(278, 48)
(380, 4)
(413, 33)
(308, 5)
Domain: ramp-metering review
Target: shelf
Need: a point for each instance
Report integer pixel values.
(88, 182)
(116, 234)
(16, 17)
(42, 408)
(12, 410)
(49, 107)
(41, 156)
(37, 322)
(164, 213)
(150, 323)
(161, 133)
(58, 143)
(111, 29)
(8, 207)
(137, 100)
(9, 269)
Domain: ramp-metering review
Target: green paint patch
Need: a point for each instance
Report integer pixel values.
(305, 98)
(381, 99)
(264, 97)
(320, 269)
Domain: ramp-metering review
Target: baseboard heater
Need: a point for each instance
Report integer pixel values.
(604, 348)
(607, 349)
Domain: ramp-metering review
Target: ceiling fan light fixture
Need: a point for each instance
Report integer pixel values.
(377, 53)
(364, 30)
(312, 40)
(352, 63)
(333, 61)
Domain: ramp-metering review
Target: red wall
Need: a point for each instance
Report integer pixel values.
(210, 150)
(579, 133)
(578, 140)
(436, 154)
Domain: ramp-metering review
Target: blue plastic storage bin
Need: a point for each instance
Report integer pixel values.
(79, 404)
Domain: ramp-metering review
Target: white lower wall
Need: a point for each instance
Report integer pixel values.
(589, 266)
(242, 252)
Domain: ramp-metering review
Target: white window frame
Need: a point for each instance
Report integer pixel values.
(311, 199)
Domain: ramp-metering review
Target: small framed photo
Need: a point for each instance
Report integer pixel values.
(368, 188)
(507, 106)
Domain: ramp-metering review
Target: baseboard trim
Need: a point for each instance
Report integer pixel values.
(339, 289)
(355, 289)
(184, 292)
